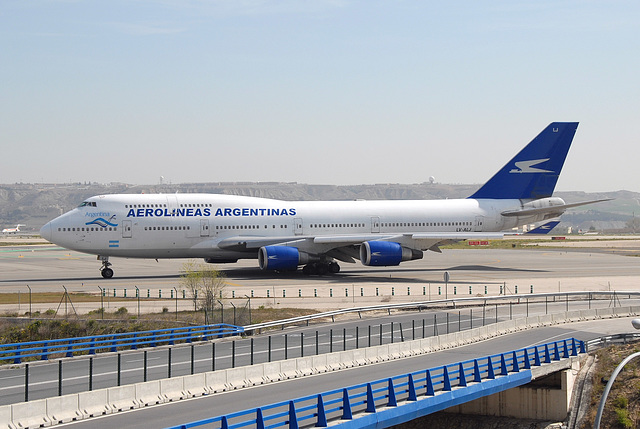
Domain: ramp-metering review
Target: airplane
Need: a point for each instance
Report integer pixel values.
(12, 230)
(283, 235)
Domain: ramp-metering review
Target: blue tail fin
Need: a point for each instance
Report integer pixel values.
(534, 171)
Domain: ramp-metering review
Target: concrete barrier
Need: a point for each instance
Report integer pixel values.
(288, 368)
(272, 371)
(63, 409)
(5, 415)
(32, 414)
(604, 313)
(305, 365)
(372, 355)
(194, 385)
(359, 357)
(148, 393)
(92, 404)
(319, 363)
(333, 361)
(236, 378)
(122, 398)
(255, 374)
(545, 320)
(171, 389)
(216, 381)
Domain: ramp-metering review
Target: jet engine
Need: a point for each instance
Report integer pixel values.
(385, 253)
(281, 258)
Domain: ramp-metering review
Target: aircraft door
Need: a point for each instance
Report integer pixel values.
(478, 224)
(126, 229)
(297, 226)
(204, 227)
(375, 224)
(172, 204)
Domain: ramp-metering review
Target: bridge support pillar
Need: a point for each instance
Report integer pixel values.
(547, 397)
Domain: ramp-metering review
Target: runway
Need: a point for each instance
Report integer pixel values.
(471, 271)
(47, 268)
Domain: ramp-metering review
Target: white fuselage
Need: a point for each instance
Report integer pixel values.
(192, 225)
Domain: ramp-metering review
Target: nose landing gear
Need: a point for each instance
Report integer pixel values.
(106, 272)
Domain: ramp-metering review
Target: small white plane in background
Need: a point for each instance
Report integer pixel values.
(283, 235)
(12, 230)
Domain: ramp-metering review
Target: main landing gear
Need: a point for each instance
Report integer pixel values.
(321, 268)
(106, 272)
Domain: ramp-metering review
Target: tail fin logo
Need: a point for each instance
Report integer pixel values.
(528, 166)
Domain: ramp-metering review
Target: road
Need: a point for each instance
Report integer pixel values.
(165, 361)
(208, 406)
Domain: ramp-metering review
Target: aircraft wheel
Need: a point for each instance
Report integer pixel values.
(322, 269)
(307, 270)
(107, 273)
(334, 267)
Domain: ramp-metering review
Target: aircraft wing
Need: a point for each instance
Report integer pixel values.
(325, 244)
(242, 243)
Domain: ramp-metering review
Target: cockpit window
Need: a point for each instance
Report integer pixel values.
(88, 204)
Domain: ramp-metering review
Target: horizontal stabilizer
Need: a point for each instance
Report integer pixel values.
(555, 210)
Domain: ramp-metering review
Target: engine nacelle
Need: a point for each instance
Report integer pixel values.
(281, 258)
(386, 253)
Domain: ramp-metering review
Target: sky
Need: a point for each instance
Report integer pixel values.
(315, 91)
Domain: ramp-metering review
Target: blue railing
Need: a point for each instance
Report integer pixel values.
(112, 342)
(342, 404)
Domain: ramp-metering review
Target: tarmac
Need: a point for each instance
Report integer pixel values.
(584, 263)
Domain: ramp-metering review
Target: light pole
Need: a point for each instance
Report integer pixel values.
(234, 312)
(30, 315)
(174, 288)
(249, 298)
(101, 302)
(221, 311)
(607, 388)
(138, 296)
(66, 297)
(446, 284)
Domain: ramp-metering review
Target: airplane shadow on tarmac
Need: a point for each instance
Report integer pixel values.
(378, 275)
(87, 279)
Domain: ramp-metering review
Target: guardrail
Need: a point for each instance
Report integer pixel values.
(342, 404)
(611, 339)
(111, 342)
(613, 296)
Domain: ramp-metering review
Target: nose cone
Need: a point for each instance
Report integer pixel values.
(45, 232)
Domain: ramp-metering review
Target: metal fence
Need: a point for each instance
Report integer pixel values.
(112, 342)
(605, 341)
(613, 298)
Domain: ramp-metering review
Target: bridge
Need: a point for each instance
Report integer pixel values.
(143, 396)
(395, 400)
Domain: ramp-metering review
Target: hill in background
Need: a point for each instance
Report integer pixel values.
(36, 204)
